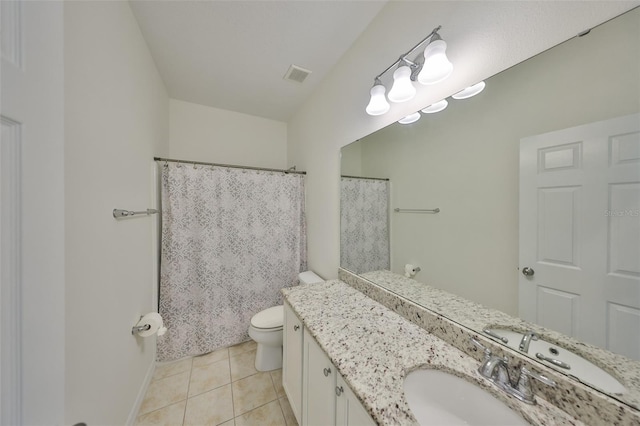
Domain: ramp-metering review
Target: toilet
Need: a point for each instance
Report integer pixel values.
(266, 330)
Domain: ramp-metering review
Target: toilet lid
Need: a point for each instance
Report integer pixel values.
(269, 318)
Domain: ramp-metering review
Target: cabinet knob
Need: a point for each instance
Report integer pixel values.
(296, 327)
(326, 372)
(339, 390)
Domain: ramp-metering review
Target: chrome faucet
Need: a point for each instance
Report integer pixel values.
(495, 369)
(526, 340)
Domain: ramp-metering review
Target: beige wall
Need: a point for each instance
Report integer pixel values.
(334, 116)
(465, 160)
(203, 133)
(116, 120)
(351, 160)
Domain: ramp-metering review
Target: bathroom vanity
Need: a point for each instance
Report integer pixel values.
(347, 356)
(317, 392)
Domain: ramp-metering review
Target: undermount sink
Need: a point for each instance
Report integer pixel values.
(439, 398)
(563, 360)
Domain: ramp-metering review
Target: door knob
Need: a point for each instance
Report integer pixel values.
(296, 327)
(528, 272)
(326, 372)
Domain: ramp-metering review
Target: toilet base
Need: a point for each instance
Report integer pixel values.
(268, 357)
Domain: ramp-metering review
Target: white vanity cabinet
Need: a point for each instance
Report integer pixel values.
(317, 393)
(292, 360)
(326, 398)
(349, 410)
(318, 385)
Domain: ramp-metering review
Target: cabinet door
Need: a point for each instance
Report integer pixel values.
(292, 360)
(318, 385)
(349, 410)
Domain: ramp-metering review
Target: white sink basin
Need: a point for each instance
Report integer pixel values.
(439, 398)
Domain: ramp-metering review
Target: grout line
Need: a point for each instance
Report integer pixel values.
(259, 406)
(184, 414)
(275, 388)
(233, 407)
(284, 417)
(190, 374)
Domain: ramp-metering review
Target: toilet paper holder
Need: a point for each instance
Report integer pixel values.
(138, 328)
(149, 325)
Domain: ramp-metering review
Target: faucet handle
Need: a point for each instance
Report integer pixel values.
(487, 351)
(524, 372)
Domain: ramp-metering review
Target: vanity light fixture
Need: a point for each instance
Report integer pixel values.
(411, 118)
(470, 91)
(430, 67)
(378, 104)
(436, 66)
(437, 107)
(402, 89)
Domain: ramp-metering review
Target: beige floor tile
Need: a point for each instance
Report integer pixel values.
(210, 408)
(215, 356)
(276, 376)
(171, 368)
(167, 416)
(209, 376)
(229, 423)
(165, 391)
(267, 415)
(243, 365)
(247, 346)
(289, 417)
(252, 392)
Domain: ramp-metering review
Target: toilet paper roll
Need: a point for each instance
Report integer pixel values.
(154, 320)
(410, 270)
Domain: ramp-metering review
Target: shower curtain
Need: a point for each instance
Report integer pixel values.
(364, 224)
(231, 239)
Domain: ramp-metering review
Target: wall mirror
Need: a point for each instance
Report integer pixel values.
(541, 170)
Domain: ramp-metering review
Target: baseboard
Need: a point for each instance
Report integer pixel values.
(133, 415)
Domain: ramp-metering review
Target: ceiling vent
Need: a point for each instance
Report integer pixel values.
(296, 73)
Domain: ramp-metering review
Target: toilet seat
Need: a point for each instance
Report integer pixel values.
(270, 319)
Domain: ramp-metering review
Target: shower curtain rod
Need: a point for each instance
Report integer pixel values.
(170, 160)
(361, 177)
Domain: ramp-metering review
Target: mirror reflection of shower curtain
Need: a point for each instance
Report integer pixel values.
(231, 239)
(364, 224)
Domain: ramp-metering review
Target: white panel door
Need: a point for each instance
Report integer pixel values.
(580, 232)
(32, 213)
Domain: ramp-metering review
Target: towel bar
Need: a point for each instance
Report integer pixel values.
(118, 213)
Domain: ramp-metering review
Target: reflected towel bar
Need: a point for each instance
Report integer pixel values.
(433, 211)
(118, 213)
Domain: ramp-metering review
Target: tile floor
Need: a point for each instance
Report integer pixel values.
(219, 388)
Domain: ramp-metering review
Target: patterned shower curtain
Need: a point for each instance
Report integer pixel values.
(364, 224)
(231, 239)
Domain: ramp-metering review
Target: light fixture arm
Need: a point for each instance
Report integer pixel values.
(415, 63)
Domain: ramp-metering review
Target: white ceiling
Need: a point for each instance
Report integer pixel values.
(233, 54)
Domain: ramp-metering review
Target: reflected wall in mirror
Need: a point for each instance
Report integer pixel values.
(571, 109)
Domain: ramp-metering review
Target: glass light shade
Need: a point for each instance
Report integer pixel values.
(436, 64)
(411, 118)
(402, 89)
(378, 104)
(470, 91)
(437, 107)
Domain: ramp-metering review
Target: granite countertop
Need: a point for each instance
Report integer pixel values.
(478, 317)
(374, 348)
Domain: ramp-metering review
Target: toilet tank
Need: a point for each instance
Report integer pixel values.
(309, 277)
